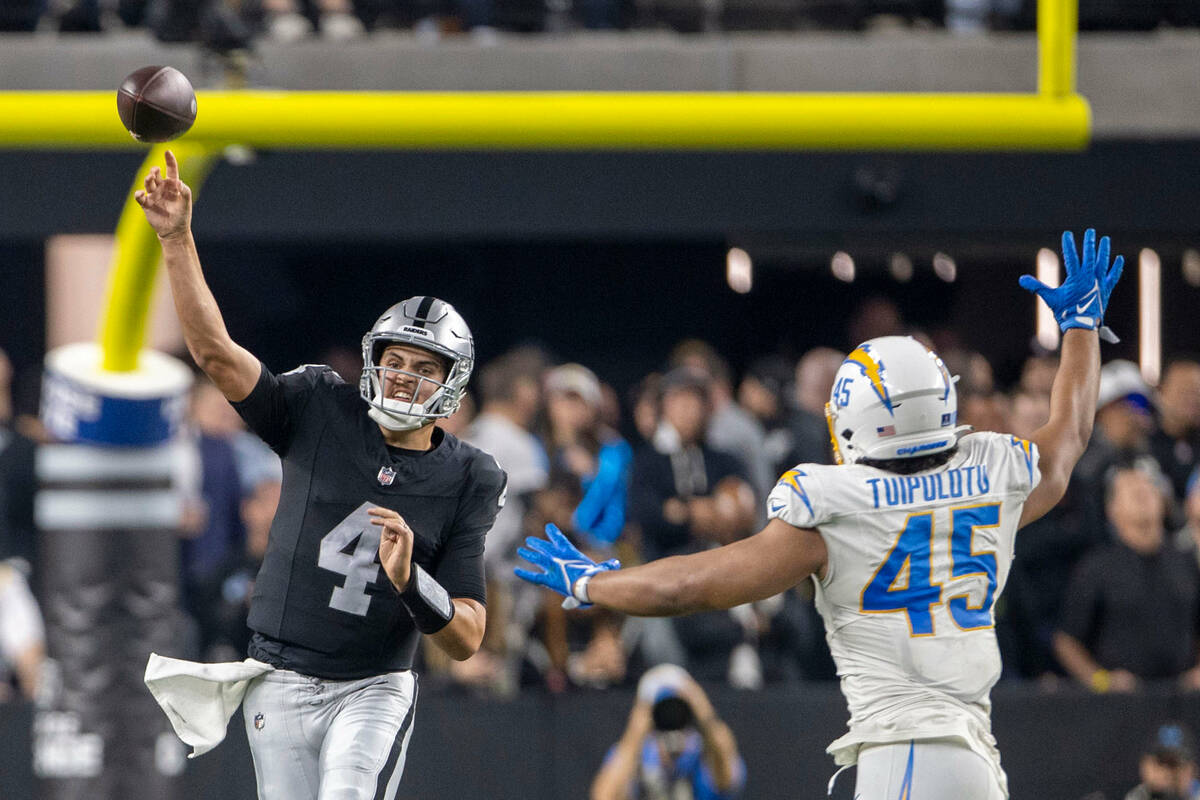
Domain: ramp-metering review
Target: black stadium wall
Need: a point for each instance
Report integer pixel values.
(1128, 187)
(1066, 745)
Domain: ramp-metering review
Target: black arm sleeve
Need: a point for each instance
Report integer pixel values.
(460, 568)
(273, 406)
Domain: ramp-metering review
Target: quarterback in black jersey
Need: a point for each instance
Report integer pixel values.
(379, 535)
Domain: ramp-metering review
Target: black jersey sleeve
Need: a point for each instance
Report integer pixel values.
(276, 402)
(460, 569)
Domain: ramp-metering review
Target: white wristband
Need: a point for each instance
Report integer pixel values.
(580, 591)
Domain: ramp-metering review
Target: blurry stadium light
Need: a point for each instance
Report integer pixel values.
(944, 267)
(901, 267)
(1150, 315)
(842, 266)
(1047, 273)
(739, 270)
(1191, 266)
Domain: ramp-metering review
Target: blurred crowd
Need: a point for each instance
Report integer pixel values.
(236, 24)
(1104, 592)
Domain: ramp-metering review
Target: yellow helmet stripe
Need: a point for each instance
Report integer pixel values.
(873, 370)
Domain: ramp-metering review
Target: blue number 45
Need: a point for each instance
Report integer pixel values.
(905, 582)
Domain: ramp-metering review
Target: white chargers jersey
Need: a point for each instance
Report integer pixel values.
(915, 565)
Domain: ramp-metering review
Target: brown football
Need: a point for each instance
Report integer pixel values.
(156, 104)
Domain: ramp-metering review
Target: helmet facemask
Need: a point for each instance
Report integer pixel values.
(397, 414)
(429, 325)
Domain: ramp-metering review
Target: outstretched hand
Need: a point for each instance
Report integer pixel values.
(166, 201)
(1081, 300)
(560, 565)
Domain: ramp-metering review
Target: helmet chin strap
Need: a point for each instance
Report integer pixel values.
(400, 421)
(396, 422)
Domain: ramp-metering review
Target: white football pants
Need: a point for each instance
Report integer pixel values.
(924, 770)
(316, 739)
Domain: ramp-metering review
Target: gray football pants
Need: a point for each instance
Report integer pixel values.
(315, 739)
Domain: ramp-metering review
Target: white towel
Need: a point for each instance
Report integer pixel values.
(200, 698)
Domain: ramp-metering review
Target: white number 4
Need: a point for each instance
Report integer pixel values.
(359, 567)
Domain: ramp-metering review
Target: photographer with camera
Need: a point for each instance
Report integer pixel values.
(674, 746)
(1168, 766)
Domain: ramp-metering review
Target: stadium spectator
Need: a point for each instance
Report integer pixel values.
(980, 16)
(587, 459)
(731, 428)
(213, 531)
(685, 497)
(685, 494)
(674, 745)
(644, 400)
(764, 392)
(1131, 610)
(225, 596)
(1167, 766)
(1037, 373)
(585, 496)
(289, 20)
(1187, 538)
(1124, 421)
(511, 395)
(1176, 442)
(810, 432)
(22, 635)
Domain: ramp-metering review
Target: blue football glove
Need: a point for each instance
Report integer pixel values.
(1082, 298)
(561, 565)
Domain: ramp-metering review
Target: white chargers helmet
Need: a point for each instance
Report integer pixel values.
(430, 324)
(892, 398)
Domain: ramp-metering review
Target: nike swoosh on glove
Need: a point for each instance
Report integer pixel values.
(560, 565)
(1081, 300)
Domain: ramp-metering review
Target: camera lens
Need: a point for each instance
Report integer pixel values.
(671, 714)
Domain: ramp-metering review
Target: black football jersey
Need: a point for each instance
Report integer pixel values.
(322, 604)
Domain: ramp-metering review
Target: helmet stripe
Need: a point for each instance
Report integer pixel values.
(423, 309)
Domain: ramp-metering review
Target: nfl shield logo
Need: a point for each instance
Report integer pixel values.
(259, 722)
(386, 476)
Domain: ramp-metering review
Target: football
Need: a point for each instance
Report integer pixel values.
(156, 104)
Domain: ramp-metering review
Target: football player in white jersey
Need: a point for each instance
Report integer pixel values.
(909, 541)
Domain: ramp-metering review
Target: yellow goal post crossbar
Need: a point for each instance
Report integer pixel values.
(1055, 117)
(574, 121)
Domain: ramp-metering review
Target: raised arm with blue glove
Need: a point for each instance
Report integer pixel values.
(1081, 300)
(562, 567)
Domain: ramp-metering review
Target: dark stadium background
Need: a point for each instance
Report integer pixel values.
(610, 258)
